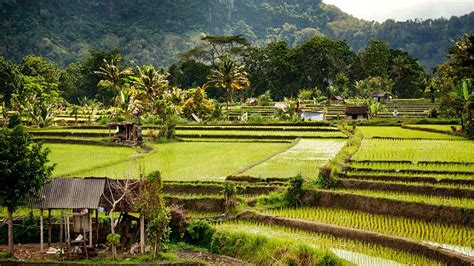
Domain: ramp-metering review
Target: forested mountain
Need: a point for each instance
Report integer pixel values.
(156, 32)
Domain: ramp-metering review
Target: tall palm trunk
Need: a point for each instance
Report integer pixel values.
(229, 98)
(10, 230)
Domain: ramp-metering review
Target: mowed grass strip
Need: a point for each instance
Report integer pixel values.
(416, 150)
(397, 226)
(191, 161)
(398, 132)
(378, 255)
(304, 158)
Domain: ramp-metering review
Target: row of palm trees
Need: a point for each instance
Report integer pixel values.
(146, 88)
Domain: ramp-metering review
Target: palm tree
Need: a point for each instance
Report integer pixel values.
(228, 75)
(153, 82)
(112, 74)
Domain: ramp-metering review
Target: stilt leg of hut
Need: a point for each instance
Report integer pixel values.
(68, 231)
(49, 228)
(142, 233)
(97, 226)
(61, 229)
(41, 230)
(90, 228)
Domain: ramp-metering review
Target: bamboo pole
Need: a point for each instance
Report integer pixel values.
(41, 230)
(97, 225)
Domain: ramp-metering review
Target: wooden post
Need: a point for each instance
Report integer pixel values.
(68, 231)
(90, 227)
(41, 230)
(49, 228)
(61, 229)
(97, 226)
(142, 233)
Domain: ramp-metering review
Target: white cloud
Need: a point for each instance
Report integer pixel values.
(381, 10)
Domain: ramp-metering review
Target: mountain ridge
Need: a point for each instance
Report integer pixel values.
(156, 32)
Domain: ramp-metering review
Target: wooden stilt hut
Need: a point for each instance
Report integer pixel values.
(78, 199)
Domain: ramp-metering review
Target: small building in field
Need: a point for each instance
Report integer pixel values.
(126, 132)
(357, 113)
(381, 97)
(312, 115)
(337, 100)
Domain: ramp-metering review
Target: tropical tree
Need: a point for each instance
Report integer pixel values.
(113, 75)
(23, 171)
(462, 101)
(153, 82)
(228, 75)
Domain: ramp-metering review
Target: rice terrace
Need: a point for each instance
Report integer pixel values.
(235, 133)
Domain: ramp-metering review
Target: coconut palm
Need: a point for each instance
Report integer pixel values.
(228, 75)
(112, 74)
(153, 82)
(462, 98)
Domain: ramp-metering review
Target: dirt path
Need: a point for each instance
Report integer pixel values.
(209, 258)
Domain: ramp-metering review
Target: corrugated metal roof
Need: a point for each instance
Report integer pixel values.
(70, 193)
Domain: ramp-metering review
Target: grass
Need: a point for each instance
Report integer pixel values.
(183, 161)
(447, 128)
(304, 158)
(397, 226)
(414, 166)
(409, 175)
(409, 197)
(262, 249)
(71, 159)
(379, 255)
(398, 132)
(261, 133)
(416, 150)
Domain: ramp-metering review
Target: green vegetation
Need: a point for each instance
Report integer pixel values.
(416, 150)
(409, 197)
(71, 159)
(379, 254)
(446, 128)
(468, 168)
(397, 132)
(262, 249)
(304, 158)
(205, 161)
(398, 226)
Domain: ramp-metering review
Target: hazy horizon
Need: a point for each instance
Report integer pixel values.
(403, 9)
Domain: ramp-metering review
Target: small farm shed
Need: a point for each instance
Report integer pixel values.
(126, 132)
(381, 96)
(82, 196)
(337, 99)
(312, 115)
(356, 113)
(70, 194)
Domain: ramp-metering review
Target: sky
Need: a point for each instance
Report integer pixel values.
(401, 10)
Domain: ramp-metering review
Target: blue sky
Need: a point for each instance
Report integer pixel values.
(401, 10)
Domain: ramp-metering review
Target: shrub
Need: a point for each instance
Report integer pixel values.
(295, 192)
(178, 222)
(199, 233)
(265, 99)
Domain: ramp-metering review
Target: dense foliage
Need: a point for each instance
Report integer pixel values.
(155, 32)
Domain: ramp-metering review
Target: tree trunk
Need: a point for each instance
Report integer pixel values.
(10, 230)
